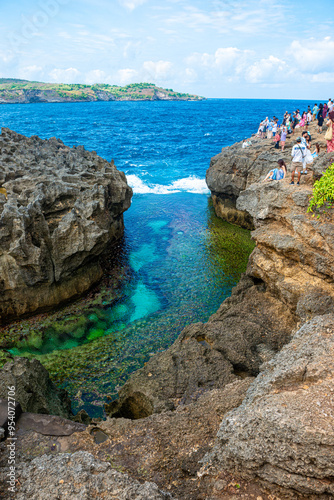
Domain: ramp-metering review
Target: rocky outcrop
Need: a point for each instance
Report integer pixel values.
(34, 389)
(294, 254)
(164, 448)
(236, 168)
(283, 432)
(60, 208)
(80, 476)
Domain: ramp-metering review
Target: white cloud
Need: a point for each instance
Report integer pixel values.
(251, 17)
(131, 4)
(69, 75)
(126, 76)
(325, 77)
(160, 70)
(227, 61)
(96, 76)
(313, 55)
(32, 72)
(267, 71)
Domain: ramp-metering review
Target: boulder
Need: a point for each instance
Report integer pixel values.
(34, 389)
(283, 432)
(60, 208)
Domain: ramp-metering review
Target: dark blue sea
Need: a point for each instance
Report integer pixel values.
(178, 261)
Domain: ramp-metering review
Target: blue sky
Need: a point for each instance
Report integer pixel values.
(217, 48)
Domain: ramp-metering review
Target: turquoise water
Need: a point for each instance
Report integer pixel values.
(178, 262)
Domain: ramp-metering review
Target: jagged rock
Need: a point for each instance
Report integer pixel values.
(34, 389)
(80, 476)
(283, 432)
(248, 329)
(294, 251)
(60, 208)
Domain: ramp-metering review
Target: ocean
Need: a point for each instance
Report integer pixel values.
(177, 261)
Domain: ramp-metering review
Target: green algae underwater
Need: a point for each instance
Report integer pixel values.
(175, 265)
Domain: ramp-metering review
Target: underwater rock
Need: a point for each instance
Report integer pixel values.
(80, 475)
(60, 208)
(283, 432)
(34, 389)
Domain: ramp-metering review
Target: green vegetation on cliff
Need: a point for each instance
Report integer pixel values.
(23, 91)
(323, 191)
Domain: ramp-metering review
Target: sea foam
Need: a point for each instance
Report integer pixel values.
(190, 184)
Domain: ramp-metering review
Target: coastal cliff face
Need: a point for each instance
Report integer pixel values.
(14, 91)
(60, 208)
(294, 251)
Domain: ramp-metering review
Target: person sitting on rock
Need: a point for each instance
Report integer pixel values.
(298, 154)
(278, 173)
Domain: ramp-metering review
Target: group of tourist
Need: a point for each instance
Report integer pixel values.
(273, 129)
(301, 152)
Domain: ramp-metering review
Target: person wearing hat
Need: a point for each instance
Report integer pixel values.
(329, 136)
(298, 163)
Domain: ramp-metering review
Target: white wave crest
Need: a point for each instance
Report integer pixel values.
(190, 184)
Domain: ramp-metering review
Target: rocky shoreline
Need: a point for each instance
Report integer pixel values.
(260, 371)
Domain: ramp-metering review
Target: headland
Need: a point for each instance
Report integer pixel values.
(13, 91)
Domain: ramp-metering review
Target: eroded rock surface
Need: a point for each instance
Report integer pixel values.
(163, 448)
(34, 389)
(60, 208)
(283, 432)
(80, 476)
(294, 252)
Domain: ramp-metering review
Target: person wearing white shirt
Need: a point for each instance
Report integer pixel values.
(298, 154)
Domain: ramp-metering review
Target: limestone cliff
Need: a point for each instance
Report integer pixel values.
(60, 208)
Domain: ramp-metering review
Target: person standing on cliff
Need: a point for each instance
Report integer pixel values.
(298, 154)
(329, 136)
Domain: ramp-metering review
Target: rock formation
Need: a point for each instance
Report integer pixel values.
(283, 432)
(277, 326)
(34, 389)
(60, 208)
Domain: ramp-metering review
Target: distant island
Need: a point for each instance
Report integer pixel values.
(14, 91)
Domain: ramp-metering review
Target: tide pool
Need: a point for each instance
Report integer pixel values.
(178, 262)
